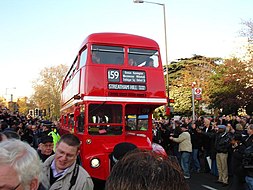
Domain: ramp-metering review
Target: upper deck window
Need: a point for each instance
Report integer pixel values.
(107, 54)
(142, 57)
(83, 58)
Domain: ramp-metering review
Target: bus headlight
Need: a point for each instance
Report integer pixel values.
(95, 163)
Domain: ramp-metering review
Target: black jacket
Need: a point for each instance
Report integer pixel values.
(222, 143)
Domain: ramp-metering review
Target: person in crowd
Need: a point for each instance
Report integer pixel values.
(45, 148)
(196, 145)
(46, 128)
(35, 134)
(237, 180)
(20, 166)
(248, 154)
(11, 134)
(206, 127)
(222, 144)
(185, 149)
(230, 131)
(120, 150)
(55, 135)
(146, 170)
(61, 170)
(209, 148)
(26, 135)
(175, 132)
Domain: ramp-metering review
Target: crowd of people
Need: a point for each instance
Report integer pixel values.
(36, 159)
(221, 146)
(36, 156)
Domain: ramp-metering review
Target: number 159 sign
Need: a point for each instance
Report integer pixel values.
(197, 93)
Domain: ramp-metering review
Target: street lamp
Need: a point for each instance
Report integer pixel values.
(6, 93)
(165, 39)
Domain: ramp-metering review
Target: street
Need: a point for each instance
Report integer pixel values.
(202, 181)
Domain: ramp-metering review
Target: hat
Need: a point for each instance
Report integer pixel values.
(121, 149)
(46, 139)
(221, 126)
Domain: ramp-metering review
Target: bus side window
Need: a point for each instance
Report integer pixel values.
(65, 120)
(80, 122)
(71, 121)
(83, 58)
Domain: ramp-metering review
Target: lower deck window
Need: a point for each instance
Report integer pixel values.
(105, 119)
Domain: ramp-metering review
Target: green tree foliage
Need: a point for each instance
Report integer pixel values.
(182, 74)
(47, 89)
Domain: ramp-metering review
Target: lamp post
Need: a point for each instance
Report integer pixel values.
(193, 103)
(6, 93)
(165, 39)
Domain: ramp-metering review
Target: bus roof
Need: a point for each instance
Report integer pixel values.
(120, 39)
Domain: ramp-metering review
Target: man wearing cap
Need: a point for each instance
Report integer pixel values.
(120, 150)
(185, 149)
(222, 143)
(45, 148)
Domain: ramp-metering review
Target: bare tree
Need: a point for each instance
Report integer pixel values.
(47, 90)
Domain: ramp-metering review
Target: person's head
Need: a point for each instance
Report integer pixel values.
(46, 127)
(239, 127)
(20, 166)
(67, 150)
(221, 128)
(120, 150)
(46, 145)
(146, 170)
(11, 134)
(250, 129)
(149, 62)
(184, 127)
(131, 61)
(100, 113)
(95, 57)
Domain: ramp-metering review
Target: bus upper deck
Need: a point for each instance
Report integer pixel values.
(113, 76)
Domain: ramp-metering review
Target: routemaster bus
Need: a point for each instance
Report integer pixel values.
(109, 94)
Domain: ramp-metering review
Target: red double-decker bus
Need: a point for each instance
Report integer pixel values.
(109, 94)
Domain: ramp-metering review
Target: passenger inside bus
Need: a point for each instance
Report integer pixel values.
(105, 119)
(95, 57)
(131, 62)
(149, 62)
(100, 117)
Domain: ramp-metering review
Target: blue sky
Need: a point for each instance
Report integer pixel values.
(42, 33)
